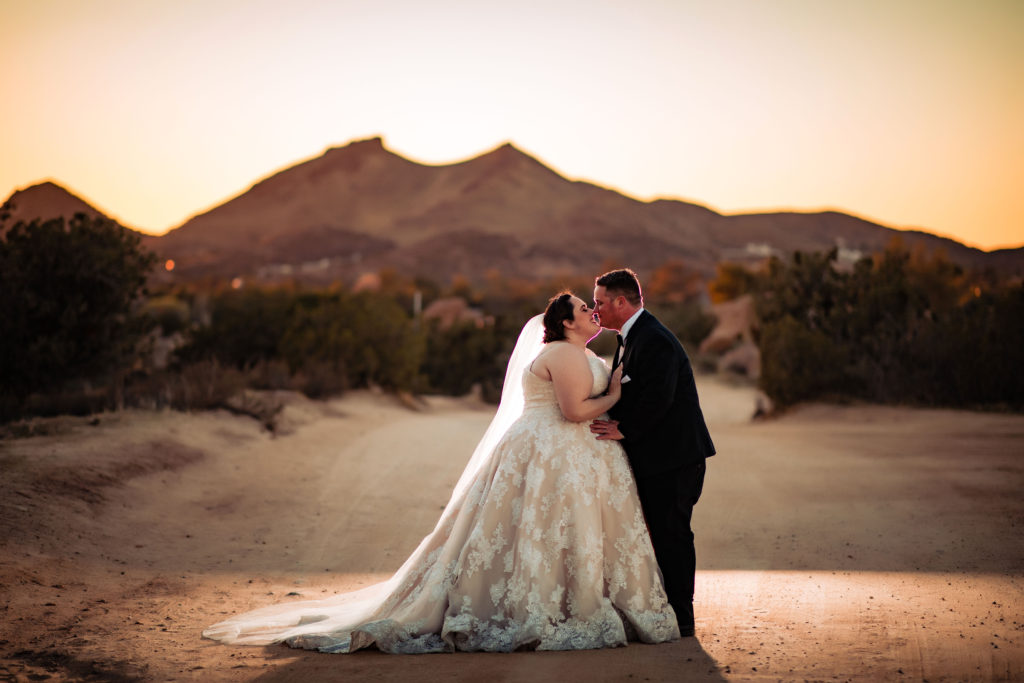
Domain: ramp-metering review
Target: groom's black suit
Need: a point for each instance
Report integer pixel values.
(666, 441)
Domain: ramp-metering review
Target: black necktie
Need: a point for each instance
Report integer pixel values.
(618, 352)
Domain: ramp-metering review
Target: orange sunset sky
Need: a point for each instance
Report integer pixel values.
(907, 112)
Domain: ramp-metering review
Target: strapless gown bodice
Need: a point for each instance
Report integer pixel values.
(539, 393)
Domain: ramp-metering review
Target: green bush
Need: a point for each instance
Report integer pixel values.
(689, 322)
(463, 355)
(329, 341)
(245, 328)
(368, 338)
(68, 298)
(198, 385)
(170, 313)
(899, 327)
(799, 363)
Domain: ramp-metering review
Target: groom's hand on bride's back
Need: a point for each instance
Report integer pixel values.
(606, 430)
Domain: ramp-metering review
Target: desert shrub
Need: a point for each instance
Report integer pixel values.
(245, 328)
(169, 313)
(799, 362)
(319, 380)
(391, 349)
(903, 326)
(272, 375)
(462, 355)
(319, 340)
(204, 385)
(328, 341)
(68, 300)
(733, 280)
(674, 282)
(976, 352)
(367, 338)
(71, 401)
(690, 322)
(198, 385)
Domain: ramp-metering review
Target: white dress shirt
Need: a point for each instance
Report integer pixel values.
(628, 325)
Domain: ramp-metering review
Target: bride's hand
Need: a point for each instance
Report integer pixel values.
(615, 383)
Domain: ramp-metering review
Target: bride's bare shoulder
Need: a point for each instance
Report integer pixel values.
(560, 353)
(564, 350)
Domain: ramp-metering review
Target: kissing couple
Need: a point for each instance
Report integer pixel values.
(569, 528)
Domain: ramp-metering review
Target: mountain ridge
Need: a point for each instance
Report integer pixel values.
(361, 207)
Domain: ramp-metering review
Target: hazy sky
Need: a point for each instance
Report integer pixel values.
(908, 112)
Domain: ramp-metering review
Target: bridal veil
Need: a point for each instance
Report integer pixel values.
(301, 621)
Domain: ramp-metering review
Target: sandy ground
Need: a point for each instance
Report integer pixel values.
(834, 543)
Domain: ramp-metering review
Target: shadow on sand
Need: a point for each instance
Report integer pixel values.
(684, 659)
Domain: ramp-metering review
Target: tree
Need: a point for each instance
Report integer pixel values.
(67, 297)
(673, 282)
(901, 326)
(246, 327)
(733, 280)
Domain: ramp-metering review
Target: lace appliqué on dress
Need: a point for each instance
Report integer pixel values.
(548, 550)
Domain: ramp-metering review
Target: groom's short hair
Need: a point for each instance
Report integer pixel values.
(622, 282)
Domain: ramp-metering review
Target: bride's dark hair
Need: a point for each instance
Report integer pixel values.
(558, 311)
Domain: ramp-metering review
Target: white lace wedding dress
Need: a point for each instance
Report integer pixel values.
(544, 547)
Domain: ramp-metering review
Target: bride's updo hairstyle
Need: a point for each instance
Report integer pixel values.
(558, 311)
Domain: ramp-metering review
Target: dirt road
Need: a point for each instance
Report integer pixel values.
(834, 543)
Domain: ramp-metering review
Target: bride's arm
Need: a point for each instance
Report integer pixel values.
(573, 382)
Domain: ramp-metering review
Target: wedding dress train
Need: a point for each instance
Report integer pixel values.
(544, 546)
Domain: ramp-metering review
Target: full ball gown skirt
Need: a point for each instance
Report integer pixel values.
(547, 549)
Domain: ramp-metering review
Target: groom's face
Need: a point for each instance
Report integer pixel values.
(609, 309)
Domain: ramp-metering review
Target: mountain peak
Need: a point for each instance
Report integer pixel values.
(352, 156)
(47, 188)
(509, 158)
(507, 150)
(364, 145)
(46, 200)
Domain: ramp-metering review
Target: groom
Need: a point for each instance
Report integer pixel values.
(660, 424)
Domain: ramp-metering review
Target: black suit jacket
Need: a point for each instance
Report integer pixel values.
(659, 414)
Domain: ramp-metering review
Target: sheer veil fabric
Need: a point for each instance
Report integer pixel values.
(541, 545)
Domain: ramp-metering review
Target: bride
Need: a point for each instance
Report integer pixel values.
(541, 546)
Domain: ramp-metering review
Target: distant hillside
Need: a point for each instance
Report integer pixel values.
(361, 208)
(45, 201)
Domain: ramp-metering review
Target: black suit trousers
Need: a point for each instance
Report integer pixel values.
(667, 500)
